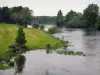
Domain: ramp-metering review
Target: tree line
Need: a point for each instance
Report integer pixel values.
(89, 19)
(16, 15)
(44, 19)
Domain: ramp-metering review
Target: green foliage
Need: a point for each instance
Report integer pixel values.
(17, 58)
(65, 52)
(42, 27)
(59, 19)
(20, 15)
(2, 67)
(6, 56)
(1, 15)
(75, 22)
(69, 16)
(20, 39)
(15, 17)
(11, 64)
(44, 19)
(5, 14)
(98, 23)
(36, 39)
(53, 30)
(35, 25)
(90, 14)
(48, 47)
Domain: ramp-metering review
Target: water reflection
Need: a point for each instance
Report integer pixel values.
(87, 41)
(48, 48)
(20, 65)
(90, 32)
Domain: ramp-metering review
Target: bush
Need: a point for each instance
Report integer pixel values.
(42, 27)
(53, 30)
(79, 53)
(2, 67)
(11, 64)
(35, 26)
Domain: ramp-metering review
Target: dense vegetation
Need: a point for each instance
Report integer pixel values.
(16, 15)
(44, 19)
(89, 18)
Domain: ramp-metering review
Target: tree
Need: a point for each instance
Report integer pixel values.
(6, 14)
(25, 16)
(0, 14)
(59, 19)
(98, 23)
(90, 14)
(15, 17)
(75, 22)
(20, 39)
(69, 16)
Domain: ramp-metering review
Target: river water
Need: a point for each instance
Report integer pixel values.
(38, 62)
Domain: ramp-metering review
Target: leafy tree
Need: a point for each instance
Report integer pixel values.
(20, 39)
(15, 17)
(69, 16)
(0, 14)
(25, 16)
(98, 23)
(44, 19)
(90, 14)
(16, 9)
(59, 19)
(6, 14)
(75, 20)
(20, 15)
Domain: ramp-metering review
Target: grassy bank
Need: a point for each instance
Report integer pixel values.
(36, 39)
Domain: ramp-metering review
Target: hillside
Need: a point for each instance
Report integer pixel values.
(36, 38)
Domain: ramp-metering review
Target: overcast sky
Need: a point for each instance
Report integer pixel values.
(50, 7)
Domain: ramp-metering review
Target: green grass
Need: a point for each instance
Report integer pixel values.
(36, 39)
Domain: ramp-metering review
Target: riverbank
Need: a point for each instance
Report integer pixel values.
(36, 39)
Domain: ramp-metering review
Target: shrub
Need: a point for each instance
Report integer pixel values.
(11, 64)
(35, 26)
(42, 27)
(2, 67)
(53, 30)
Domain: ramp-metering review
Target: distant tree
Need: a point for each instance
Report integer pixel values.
(25, 16)
(6, 14)
(0, 14)
(20, 39)
(15, 17)
(75, 22)
(98, 23)
(90, 14)
(70, 16)
(59, 19)
(16, 9)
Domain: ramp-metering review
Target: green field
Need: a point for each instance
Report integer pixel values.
(36, 39)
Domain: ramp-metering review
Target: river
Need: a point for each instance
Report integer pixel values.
(38, 62)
